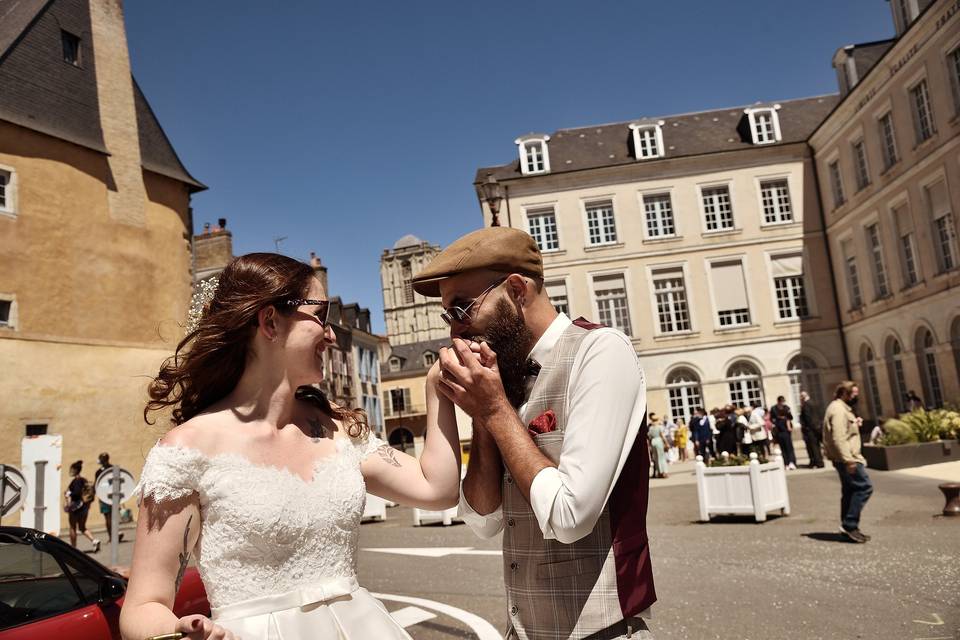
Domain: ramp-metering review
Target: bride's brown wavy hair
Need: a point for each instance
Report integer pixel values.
(209, 361)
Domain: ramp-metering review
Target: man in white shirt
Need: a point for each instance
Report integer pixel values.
(559, 458)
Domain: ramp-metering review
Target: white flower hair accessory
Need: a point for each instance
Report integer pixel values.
(202, 295)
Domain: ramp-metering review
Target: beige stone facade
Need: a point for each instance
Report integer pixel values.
(409, 316)
(888, 160)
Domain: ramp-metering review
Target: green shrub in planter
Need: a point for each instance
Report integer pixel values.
(924, 424)
(896, 432)
(949, 424)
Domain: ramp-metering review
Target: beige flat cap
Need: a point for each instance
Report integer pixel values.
(502, 249)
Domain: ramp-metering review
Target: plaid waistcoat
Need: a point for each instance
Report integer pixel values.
(557, 591)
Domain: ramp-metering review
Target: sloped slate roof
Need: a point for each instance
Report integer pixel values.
(411, 356)
(688, 134)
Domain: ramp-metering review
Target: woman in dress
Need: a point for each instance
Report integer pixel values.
(656, 437)
(77, 508)
(682, 438)
(263, 479)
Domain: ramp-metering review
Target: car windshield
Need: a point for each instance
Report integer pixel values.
(32, 585)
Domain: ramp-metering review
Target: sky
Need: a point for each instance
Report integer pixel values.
(341, 127)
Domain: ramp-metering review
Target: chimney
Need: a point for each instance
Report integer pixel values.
(320, 271)
(212, 251)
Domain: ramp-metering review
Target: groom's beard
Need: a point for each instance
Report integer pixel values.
(511, 340)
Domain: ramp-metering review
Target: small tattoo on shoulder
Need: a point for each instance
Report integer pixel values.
(184, 556)
(389, 455)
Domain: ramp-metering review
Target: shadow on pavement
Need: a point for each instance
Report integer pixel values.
(827, 537)
(730, 519)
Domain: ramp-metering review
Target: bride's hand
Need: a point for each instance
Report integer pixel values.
(199, 627)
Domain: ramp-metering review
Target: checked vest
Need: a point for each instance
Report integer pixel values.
(557, 591)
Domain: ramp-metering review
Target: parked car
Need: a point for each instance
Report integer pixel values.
(48, 589)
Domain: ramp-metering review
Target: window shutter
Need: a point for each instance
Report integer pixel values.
(938, 199)
(787, 265)
(730, 286)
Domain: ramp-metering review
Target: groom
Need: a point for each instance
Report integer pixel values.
(559, 457)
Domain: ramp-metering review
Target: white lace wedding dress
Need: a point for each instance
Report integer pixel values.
(277, 554)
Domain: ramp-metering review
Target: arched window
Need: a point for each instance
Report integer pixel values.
(683, 386)
(743, 380)
(805, 376)
(927, 363)
(898, 382)
(869, 368)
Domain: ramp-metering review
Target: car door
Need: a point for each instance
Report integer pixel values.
(43, 595)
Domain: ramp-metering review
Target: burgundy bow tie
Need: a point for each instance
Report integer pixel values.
(531, 368)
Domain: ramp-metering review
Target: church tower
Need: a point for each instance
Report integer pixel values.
(409, 316)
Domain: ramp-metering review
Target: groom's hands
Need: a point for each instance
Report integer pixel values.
(470, 378)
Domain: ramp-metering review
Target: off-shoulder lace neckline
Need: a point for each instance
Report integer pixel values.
(340, 444)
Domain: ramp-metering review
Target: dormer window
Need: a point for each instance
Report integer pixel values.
(534, 155)
(429, 357)
(395, 363)
(764, 124)
(647, 139)
(71, 48)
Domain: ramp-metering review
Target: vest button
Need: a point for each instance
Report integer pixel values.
(514, 610)
(509, 480)
(511, 522)
(514, 566)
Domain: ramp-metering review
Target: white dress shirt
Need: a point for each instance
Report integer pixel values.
(606, 401)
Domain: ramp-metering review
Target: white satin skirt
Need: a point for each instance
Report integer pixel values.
(332, 609)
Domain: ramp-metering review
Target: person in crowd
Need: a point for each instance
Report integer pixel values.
(712, 418)
(105, 507)
(783, 431)
(78, 497)
(657, 439)
(682, 439)
(758, 434)
(702, 435)
(670, 442)
(727, 430)
(744, 440)
(768, 429)
(914, 402)
(841, 441)
(811, 430)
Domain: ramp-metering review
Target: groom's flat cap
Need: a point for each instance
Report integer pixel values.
(502, 249)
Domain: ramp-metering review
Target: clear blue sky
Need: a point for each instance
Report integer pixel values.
(346, 125)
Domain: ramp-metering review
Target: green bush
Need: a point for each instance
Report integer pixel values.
(896, 432)
(949, 423)
(924, 424)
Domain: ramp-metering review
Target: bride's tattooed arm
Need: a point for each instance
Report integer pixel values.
(184, 556)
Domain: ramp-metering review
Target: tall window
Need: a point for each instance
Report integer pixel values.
(804, 375)
(71, 48)
(673, 315)
(683, 386)
(764, 126)
(922, 112)
(888, 140)
(659, 215)
(534, 154)
(944, 234)
(927, 357)
(911, 275)
(601, 228)
(836, 184)
(955, 342)
(542, 226)
(743, 381)
(5, 307)
(611, 296)
(730, 293)
(853, 277)
(647, 141)
(880, 284)
(775, 196)
(407, 274)
(953, 68)
(717, 210)
(869, 368)
(860, 162)
(557, 292)
(4, 181)
(788, 286)
(898, 381)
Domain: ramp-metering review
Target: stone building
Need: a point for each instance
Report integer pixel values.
(888, 161)
(409, 316)
(95, 229)
(696, 235)
(212, 250)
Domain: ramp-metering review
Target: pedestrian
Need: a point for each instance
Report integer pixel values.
(768, 429)
(744, 439)
(727, 431)
(657, 439)
(783, 431)
(758, 434)
(914, 402)
(106, 508)
(268, 473)
(670, 440)
(77, 501)
(702, 435)
(589, 499)
(841, 441)
(812, 431)
(682, 439)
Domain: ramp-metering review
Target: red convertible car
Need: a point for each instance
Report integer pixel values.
(48, 589)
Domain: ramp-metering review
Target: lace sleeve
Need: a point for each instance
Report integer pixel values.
(170, 472)
(368, 446)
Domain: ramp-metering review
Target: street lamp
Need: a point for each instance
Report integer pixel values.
(492, 193)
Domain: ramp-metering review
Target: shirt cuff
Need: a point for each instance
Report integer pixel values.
(484, 526)
(543, 493)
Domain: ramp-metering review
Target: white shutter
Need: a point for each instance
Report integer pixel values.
(903, 219)
(556, 289)
(729, 286)
(407, 406)
(938, 199)
(787, 265)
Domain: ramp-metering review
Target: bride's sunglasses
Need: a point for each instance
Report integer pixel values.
(320, 315)
(462, 314)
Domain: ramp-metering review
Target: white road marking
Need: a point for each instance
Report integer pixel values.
(436, 552)
(409, 616)
(483, 629)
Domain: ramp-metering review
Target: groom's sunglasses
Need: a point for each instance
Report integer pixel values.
(320, 315)
(462, 314)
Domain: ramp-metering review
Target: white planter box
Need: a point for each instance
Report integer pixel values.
(754, 489)
(374, 509)
(447, 516)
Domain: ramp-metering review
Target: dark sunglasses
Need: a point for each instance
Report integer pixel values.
(320, 315)
(462, 314)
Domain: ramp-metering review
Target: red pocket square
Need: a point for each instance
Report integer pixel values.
(543, 423)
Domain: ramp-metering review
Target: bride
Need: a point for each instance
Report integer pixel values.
(265, 488)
